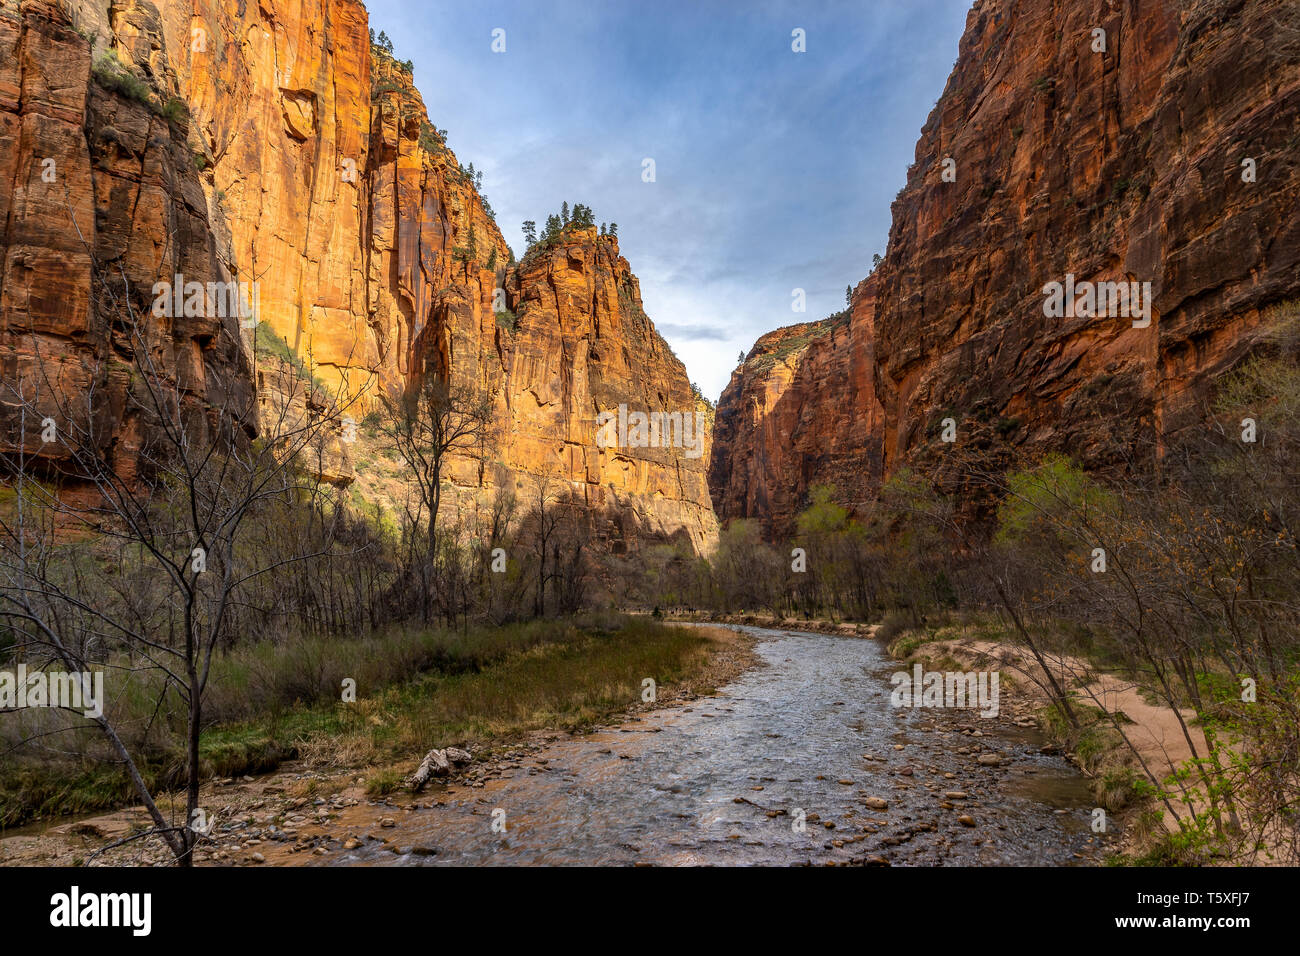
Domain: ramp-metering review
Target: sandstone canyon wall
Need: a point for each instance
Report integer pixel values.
(92, 176)
(582, 342)
(1127, 164)
(304, 160)
(801, 410)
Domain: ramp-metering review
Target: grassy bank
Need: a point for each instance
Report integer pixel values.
(414, 690)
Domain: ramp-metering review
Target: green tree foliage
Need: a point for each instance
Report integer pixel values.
(579, 216)
(1037, 496)
(467, 253)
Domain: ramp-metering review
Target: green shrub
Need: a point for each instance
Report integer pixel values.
(176, 111)
(383, 782)
(112, 74)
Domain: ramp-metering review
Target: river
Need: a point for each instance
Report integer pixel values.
(722, 780)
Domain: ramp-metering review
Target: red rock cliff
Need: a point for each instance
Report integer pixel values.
(1117, 165)
(90, 175)
(582, 344)
(800, 411)
(304, 161)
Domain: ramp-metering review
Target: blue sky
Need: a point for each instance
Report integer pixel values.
(774, 169)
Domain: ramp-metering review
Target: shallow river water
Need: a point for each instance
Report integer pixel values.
(792, 736)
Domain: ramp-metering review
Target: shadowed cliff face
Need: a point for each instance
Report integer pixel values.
(88, 175)
(307, 164)
(800, 411)
(1117, 166)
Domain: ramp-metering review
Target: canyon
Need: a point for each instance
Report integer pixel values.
(251, 143)
(1099, 226)
(1163, 150)
(1131, 142)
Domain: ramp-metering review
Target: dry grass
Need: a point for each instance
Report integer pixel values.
(415, 690)
(563, 685)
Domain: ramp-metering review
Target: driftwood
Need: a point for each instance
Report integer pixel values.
(438, 763)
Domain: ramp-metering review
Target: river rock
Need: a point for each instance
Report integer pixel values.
(877, 803)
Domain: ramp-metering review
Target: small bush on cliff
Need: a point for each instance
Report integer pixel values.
(110, 73)
(469, 252)
(266, 340)
(432, 139)
(176, 111)
(382, 46)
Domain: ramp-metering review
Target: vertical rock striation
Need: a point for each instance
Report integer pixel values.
(1126, 164)
(302, 159)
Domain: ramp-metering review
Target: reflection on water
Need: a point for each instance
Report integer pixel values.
(788, 736)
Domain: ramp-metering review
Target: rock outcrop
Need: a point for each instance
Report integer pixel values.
(99, 199)
(1162, 151)
(273, 144)
(581, 344)
(801, 410)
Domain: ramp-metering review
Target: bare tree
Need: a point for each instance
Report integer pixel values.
(180, 509)
(542, 528)
(430, 422)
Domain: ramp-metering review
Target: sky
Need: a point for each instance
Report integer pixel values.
(774, 170)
